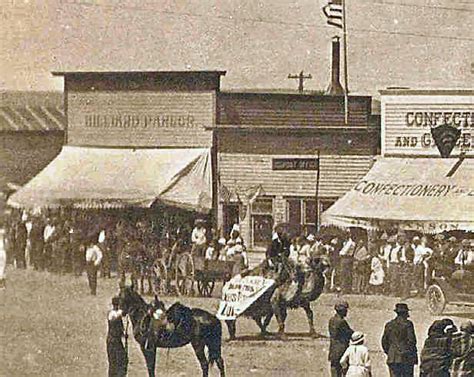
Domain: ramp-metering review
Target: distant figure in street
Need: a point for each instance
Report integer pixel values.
(20, 244)
(356, 359)
(399, 343)
(3, 259)
(116, 352)
(93, 259)
(340, 334)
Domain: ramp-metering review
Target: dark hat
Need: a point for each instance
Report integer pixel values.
(341, 305)
(401, 308)
(115, 300)
(467, 326)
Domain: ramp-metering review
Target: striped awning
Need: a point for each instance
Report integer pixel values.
(32, 118)
(116, 178)
(430, 195)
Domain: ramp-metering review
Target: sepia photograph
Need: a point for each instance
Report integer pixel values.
(240, 188)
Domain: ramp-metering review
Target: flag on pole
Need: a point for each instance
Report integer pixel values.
(334, 13)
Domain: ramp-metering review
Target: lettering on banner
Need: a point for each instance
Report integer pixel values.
(411, 190)
(143, 121)
(239, 293)
(420, 124)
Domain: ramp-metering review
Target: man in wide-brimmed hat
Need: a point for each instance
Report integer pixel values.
(339, 336)
(399, 343)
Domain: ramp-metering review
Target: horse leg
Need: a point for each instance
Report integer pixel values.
(201, 355)
(309, 314)
(280, 314)
(213, 342)
(232, 328)
(150, 286)
(266, 322)
(150, 359)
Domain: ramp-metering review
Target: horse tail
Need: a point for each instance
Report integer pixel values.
(214, 343)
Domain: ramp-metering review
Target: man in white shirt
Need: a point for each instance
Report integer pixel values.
(420, 260)
(198, 238)
(465, 256)
(347, 262)
(93, 259)
(394, 256)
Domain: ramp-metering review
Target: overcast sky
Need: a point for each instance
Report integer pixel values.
(415, 43)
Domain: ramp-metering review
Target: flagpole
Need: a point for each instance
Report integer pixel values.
(346, 84)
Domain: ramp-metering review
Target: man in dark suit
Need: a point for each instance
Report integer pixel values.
(340, 334)
(399, 343)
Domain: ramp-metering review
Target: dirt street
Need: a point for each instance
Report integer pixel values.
(50, 326)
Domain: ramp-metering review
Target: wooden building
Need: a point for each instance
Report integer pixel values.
(268, 146)
(31, 134)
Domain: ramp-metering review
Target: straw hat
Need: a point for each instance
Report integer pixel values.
(311, 237)
(357, 338)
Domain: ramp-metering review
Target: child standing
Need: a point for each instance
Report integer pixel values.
(377, 274)
(356, 358)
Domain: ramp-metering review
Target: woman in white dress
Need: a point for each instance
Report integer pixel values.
(356, 359)
(377, 274)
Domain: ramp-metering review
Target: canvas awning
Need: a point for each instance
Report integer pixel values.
(426, 194)
(115, 178)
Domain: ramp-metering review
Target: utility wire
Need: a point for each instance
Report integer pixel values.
(440, 7)
(262, 20)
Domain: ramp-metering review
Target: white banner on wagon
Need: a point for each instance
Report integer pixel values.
(239, 293)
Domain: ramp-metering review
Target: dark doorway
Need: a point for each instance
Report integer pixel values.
(231, 217)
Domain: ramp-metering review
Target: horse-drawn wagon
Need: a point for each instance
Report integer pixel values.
(183, 272)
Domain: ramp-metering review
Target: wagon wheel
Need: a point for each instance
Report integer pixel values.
(184, 276)
(205, 287)
(161, 279)
(436, 299)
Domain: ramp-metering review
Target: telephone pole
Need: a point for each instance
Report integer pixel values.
(300, 77)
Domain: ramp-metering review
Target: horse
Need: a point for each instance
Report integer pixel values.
(177, 327)
(294, 289)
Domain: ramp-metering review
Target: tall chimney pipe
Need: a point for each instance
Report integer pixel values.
(335, 87)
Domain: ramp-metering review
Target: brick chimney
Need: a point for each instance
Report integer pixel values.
(335, 87)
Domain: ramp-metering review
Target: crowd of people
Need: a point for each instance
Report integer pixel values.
(446, 352)
(393, 264)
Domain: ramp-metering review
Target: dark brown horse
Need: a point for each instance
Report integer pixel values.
(176, 327)
(294, 289)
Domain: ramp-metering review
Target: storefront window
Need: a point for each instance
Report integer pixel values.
(294, 211)
(310, 212)
(262, 206)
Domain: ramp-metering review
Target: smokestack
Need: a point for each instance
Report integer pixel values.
(335, 87)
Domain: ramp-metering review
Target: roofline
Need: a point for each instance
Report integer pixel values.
(124, 73)
(286, 94)
(253, 128)
(440, 92)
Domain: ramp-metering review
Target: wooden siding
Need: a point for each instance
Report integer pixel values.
(301, 142)
(162, 119)
(140, 81)
(338, 174)
(283, 110)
